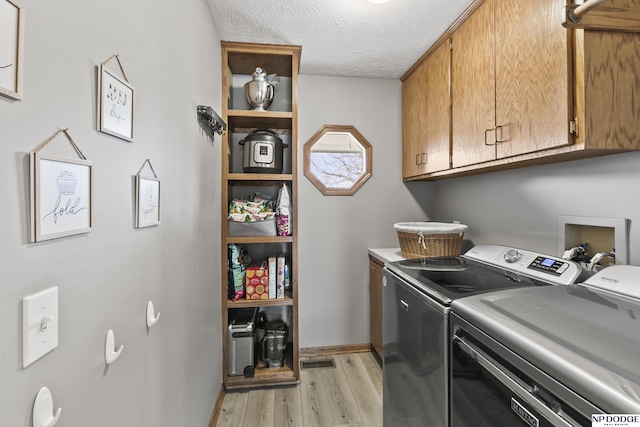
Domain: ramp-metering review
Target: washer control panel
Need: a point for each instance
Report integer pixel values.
(544, 267)
(549, 265)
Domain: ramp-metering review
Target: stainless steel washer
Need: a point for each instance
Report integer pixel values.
(417, 298)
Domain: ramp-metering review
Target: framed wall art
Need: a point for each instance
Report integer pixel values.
(115, 103)
(11, 48)
(61, 194)
(147, 198)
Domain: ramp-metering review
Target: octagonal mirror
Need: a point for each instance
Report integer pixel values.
(337, 160)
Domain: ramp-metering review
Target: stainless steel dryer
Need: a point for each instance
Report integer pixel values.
(417, 298)
(549, 356)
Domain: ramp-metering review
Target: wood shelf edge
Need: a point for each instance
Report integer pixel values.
(278, 177)
(259, 239)
(259, 114)
(244, 303)
(264, 377)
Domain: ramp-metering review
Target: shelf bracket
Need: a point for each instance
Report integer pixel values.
(592, 16)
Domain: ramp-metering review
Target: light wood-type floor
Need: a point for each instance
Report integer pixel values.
(348, 395)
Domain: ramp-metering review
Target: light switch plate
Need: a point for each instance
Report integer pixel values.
(39, 325)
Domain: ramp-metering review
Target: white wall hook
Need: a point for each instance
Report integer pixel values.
(152, 318)
(43, 410)
(110, 353)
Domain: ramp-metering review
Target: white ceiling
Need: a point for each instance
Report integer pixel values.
(351, 38)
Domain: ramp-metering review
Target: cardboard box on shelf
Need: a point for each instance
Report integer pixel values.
(257, 282)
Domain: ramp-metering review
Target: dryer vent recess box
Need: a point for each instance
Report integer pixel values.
(601, 234)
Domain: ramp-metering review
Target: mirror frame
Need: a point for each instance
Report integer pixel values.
(368, 168)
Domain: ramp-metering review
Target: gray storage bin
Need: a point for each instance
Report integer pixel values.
(251, 229)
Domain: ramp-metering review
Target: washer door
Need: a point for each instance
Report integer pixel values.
(488, 391)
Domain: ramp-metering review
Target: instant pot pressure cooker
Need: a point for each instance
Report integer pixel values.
(262, 152)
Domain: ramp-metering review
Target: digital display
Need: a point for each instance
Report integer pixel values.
(549, 265)
(548, 262)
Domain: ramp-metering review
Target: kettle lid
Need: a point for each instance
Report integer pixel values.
(259, 72)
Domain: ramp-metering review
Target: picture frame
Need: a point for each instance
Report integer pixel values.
(61, 196)
(147, 201)
(11, 48)
(115, 105)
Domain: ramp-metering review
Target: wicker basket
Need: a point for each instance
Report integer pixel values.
(429, 239)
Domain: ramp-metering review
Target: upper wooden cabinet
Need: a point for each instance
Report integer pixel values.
(532, 77)
(474, 89)
(426, 116)
(525, 90)
(608, 79)
(510, 92)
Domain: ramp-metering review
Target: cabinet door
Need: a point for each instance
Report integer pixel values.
(473, 89)
(426, 116)
(532, 77)
(375, 304)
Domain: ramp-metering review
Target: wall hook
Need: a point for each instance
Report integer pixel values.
(110, 353)
(152, 318)
(210, 121)
(43, 410)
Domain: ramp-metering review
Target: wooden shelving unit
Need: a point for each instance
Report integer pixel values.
(239, 61)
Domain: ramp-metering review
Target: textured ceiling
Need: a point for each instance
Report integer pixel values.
(351, 38)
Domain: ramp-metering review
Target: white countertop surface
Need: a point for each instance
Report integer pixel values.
(386, 254)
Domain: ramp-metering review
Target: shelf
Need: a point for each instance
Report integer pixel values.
(264, 376)
(243, 121)
(252, 178)
(245, 303)
(253, 115)
(259, 239)
(276, 59)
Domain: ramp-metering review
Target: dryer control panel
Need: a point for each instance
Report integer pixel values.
(620, 279)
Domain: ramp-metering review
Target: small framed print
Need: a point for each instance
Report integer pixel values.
(11, 48)
(115, 105)
(147, 201)
(61, 194)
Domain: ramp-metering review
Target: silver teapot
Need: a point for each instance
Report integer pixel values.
(260, 91)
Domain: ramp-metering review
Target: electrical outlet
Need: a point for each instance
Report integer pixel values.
(39, 325)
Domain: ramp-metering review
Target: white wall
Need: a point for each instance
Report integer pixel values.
(518, 207)
(170, 375)
(521, 207)
(335, 231)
